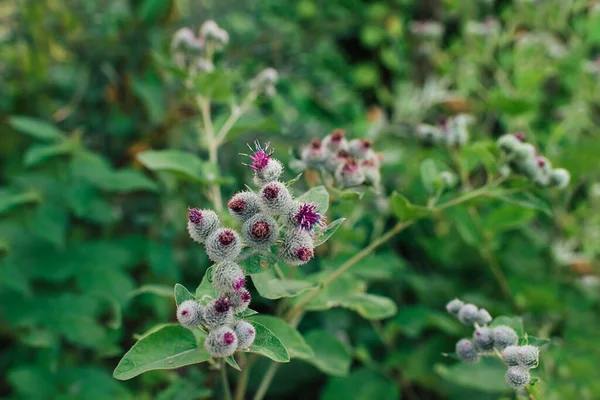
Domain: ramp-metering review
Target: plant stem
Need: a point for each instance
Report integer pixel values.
(240, 390)
(213, 147)
(225, 380)
(236, 113)
(266, 381)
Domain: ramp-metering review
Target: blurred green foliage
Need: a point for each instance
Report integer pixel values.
(92, 241)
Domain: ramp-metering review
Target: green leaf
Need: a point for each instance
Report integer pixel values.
(323, 235)
(486, 376)
(404, 210)
(526, 200)
(317, 195)
(268, 345)
(128, 180)
(10, 201)
(37, 128)
(536, 341)
(206, 291)
(39, 153)
(159, 290)
(182, 294)
(216, 85)
(331, 356)
(169, 347)
(246, 313)
(334, 294)
(430, 175)
(370, 306)
(186, 165)
(271, 287)
(514, 322)
(258, 262)
(511, 105)
(231, 361)
(463, 222)
(294, 180)
(362, 384)
(288, 335)
(507, 217)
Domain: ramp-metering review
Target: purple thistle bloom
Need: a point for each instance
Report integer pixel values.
(238, 284)
(260, 156)
(307, 216)
(194, 215)
(246, 297)
(222, 305)
(228, 338)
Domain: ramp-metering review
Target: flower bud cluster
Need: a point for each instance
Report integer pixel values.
(265, 81)
(193, 52)
(268, 217)
(524, 159)
(500, 341)
(451, 132)
(350, 163)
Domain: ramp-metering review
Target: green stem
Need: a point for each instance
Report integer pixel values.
(266, 381)
(213, 147)
(225, 380)
(240, 390)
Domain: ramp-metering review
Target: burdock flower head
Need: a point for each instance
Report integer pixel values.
(266, 169)
(306, 217)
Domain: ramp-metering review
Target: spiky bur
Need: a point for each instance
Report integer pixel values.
(483, 339)
(454, 306)
(218, 312)
(240, 301)
(466, 351)
(201, 223)
(528, 356)
(336, 141)
(266, 169)
(504, 336)
(508, 143)
(275, 198)
(189, 314)
(483, 317)
(338, 159)
(221, 342)
(517, 377)
(468, 314)
(260, 231)
(265, 81)
(245, 333)
(360, 149)
(243, 205)
(305, 216)
(314, 154)
(228, 277)
(510, 355)
(224, 244)
(296, 247)
(349, 174)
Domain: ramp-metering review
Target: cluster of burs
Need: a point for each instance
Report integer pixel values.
(269, 217)
(524, 159)
(350, 163)
(501, 341)
(451, 132)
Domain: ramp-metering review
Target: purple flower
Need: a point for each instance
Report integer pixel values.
(222, 305)
(260, 156)
(238, 284)
(246, 297)
(307, 217)
(228, 338)
(194, 215)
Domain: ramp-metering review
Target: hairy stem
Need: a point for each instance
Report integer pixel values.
(225, 380)
(213, 147)
(240, 390)
(266, 381)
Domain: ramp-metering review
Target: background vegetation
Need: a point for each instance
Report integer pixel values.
(91, 242)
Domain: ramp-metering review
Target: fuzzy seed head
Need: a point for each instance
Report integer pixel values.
(228, 277)
(260, 231)
(454, 306)
(468, 314)
(218, 312)
(504, 336)
(483, 339)
(296, 247)
(275, 199)
(245, 333)
(510, 355)
(224, 244)
(517, 377)
(221, 342)
(189, 314)
(559, 178)
(240, 300)
(483, 317)
(528, 356)
(336, 141)
(466, 351)
(201, 223)
(243, 205)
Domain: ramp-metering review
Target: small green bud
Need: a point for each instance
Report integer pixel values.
(454, 306)
(517, 377)
(528, 356)
(483, 339)
(466, 351)
(468, 314)
(510, 355)
(189, 314)
(245, 333)
(483, 317)
(504, 336)
(221, 342)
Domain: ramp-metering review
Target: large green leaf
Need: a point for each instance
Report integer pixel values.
(370, 306)
(317, 195)
(331, 356)
(37, 128)
(186, 165)
(9, 201)
(362, 384)
(268, 345)
(39, 153)
(169, 347)
(506, 217)
(403, 209)
(271, 287)
(334, 294)
(323, 235)
(487, 375)
(289, 336)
